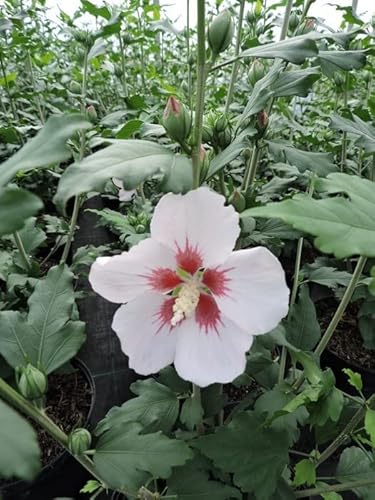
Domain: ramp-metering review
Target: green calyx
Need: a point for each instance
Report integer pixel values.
(220, 32)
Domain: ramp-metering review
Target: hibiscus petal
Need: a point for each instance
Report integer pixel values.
(197, 221)
(144, 329)
(256, 296)
(216, 356)
(147, 266)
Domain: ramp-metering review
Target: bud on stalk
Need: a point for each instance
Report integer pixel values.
(177, 120)
(32, 383)
(220, 32)
(79, 441)
(91, 113)
(256, 72)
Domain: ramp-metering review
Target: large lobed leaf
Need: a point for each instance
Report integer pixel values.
(47, 338)
(342, 226)
(20, 454)
(257, 456)
(18, 205)
(47, 147)
(124, 458)
(131, 160)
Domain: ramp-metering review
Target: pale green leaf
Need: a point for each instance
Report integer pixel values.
(305, 473)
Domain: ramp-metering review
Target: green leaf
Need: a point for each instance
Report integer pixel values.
(329, 276)
(131, 160)
(332, 495)
(124, 458)
(294, 50)
(370, 424)
(346, 60)
(358, 127)
(179, 178)
(31, 235)
(47, 147)
(18, 205)
(129, 129)
(302, 327)
(191, 412)
(355, 465)
(91, 486)
(342, 226)
(320, 163)
(297, 83)
(355, 379)
(329, 407)
(156, 408)
(305, 473)
(47, 339)
(191, 483)
(247, 449)
(20, 454)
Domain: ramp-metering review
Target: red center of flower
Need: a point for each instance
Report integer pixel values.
(209, 283)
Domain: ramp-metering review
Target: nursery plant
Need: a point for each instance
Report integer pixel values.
(233, 164)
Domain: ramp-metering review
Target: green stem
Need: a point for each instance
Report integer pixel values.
(284, 29)
(123, 71)
(293, 296)
(342, 437)
(201, 83)
(11, 396)
(190, 89)
(7, 89)
(237, 51)
(342, 306)
(344, 144)
(333, 487)
(77, 199)
(36, 94)
(251, 168)
(24, 257)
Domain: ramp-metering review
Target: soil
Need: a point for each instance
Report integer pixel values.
(68, 404)
(346, 343)
(237, 394)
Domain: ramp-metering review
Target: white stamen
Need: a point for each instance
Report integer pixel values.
(186, 302)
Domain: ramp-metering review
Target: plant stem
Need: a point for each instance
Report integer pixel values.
(190, 92)
(122, 50)
(77, 199)
(342, 306)
(237, 51)
(7, 89)
(342, 437)
(284, 29)
(293, 296)
(344, 144)
(251, 168)
(36, 95)
(24, 257)
(333, 487)
(201, 83)
(17, 401)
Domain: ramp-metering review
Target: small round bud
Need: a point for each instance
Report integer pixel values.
(293, 21)
(207, 134)
(127, 39)
(220, 32)
(79, 441)
(75, 87)
(262, 119)
(256, 72)
(140, 228)
(306, 27)
(177, 120)
(91, 114)
(222, 132)
(32, 383)
(238, 200)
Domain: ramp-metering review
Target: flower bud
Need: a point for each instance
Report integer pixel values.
(256, 72)
(293, 21)
(118, 71)
(367, 76)
(32, 383)
(75, 87)
(177, 120)
(220, 32)
(222, 132)
(262, 120)
(140, 228)
(207, 134)
(79, 441)
(91, 113)
(306, 27)
(238, 200)
(127, 39)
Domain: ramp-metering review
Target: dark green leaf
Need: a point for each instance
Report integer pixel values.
(18, 205)
(191, 412)
(357, 127)
(355, 465)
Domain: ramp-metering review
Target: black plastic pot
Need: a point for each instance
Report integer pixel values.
(337, 364)
(64, 476)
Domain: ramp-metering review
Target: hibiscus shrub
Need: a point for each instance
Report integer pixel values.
(245, 237)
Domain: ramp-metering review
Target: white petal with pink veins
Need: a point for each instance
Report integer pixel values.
(147, 266)
(146, 335)
(213, 356)
(256, 296)
(196, 223)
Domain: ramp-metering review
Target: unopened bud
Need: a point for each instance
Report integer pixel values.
(256, 72)
(238, 200)
(75, 87)
(220, 32)
(32, 383)
(262, 119)
(177, 120)
(207, 134)
(79, 441)
(293, 21)
(306, 27)
(91, 113)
